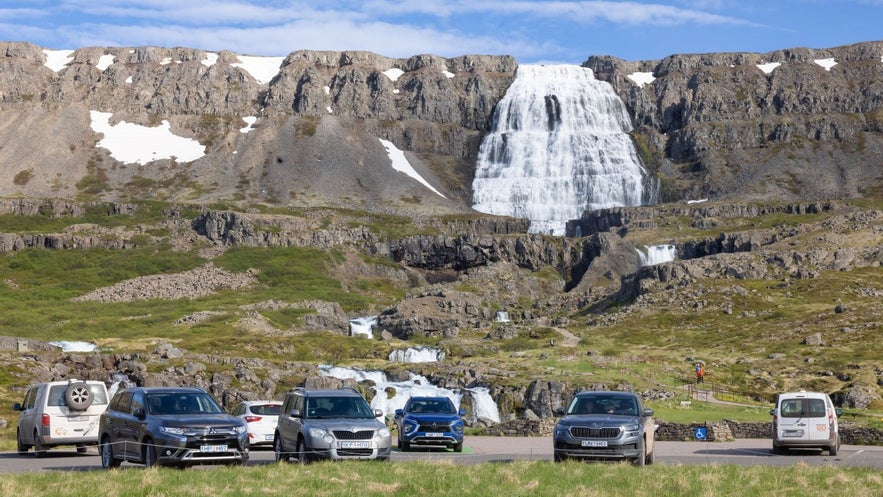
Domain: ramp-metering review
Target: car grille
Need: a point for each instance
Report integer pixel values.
(359, 435)
(434, 427)
(584, 432)
(355, 452)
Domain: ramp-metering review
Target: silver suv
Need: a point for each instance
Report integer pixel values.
(606, 425)
(330, 424)
(60, 413)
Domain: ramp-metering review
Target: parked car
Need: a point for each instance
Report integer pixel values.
(430, 421)
(261, 417)
(170, 426)
(60, 413)
(805, 420)
(606, 426)
(330, 424)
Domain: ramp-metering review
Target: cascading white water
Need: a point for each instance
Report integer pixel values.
(417, 354)
(363, 326)
(482, 403)
(656, 254)
(559, 146)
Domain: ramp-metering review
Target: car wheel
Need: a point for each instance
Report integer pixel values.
(149, 456)
(105, 449)
(78, 396)
(778, 449)
(281, 456)
(641, 460)
(300, 451)
(39, 449)
(559, 457)
(651, 458)
(458, 447)
(20, 445)
(404, 445)
(832, 450)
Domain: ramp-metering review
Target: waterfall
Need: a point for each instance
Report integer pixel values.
(417, 354)
(656, 254)
(482, 403)
(501, 317)
(363, 326)
(558, 146)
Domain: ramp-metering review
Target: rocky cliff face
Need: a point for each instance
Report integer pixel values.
(314, 141)
(789, 124)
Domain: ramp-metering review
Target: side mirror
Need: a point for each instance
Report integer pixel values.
(773, 411)
(295, 413)
(648, 412)
(139, 413)
(17, 407)
(461, 412)
(398, 413)
(378, 413)
(559, 411)
(838, 412)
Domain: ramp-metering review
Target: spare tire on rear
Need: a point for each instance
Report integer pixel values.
(78, 396)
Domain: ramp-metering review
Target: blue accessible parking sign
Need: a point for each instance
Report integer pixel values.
(700, 432)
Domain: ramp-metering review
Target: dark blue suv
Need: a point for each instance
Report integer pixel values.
(431, 421)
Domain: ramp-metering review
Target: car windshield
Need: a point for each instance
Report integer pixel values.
(182, 403)
(600, 404)
(266, 409)
(431, 406)
(338, 407)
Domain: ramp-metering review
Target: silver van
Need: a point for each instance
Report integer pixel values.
(805, 420)
(60, 413)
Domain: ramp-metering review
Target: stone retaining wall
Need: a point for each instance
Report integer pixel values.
(722, 431)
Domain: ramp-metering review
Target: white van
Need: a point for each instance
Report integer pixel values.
(805, 420)
(60, 413)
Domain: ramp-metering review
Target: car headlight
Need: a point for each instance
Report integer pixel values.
(173, 430)
(318, 432)
(383, 432)
(409, 426)
(457, 427)
(632, 430)
(240, 429)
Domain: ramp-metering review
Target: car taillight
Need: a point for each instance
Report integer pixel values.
(252, 419)
(46, 420)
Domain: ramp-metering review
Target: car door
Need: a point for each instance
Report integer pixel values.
(119, 426)
(26, 423)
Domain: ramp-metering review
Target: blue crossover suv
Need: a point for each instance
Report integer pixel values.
(430, 421)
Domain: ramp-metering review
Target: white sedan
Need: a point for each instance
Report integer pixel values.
(261, 417)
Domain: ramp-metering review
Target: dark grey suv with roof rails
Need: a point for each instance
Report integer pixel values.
(171, 427)
(606, 426)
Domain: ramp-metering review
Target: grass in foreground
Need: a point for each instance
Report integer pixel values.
(448, 479)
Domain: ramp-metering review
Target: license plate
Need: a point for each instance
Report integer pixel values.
(792, 433)
(354, 445)
(78, 418)
(435, 435)
(594, 443)
(268, 438)
(213, 448)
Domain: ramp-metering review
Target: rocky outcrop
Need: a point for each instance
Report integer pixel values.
(315, 139)
(779, 125)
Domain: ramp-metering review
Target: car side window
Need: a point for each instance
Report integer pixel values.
(123, 405)
(137, 402)
(30, 398)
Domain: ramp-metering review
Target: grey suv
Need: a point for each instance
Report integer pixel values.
(170, 426)
(330, 424)
(607, 426)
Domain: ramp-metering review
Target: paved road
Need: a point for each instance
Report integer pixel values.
(486, 449)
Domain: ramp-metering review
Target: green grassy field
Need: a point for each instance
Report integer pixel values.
(520, 478)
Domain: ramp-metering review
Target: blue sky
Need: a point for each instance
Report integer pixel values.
(532, 31)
